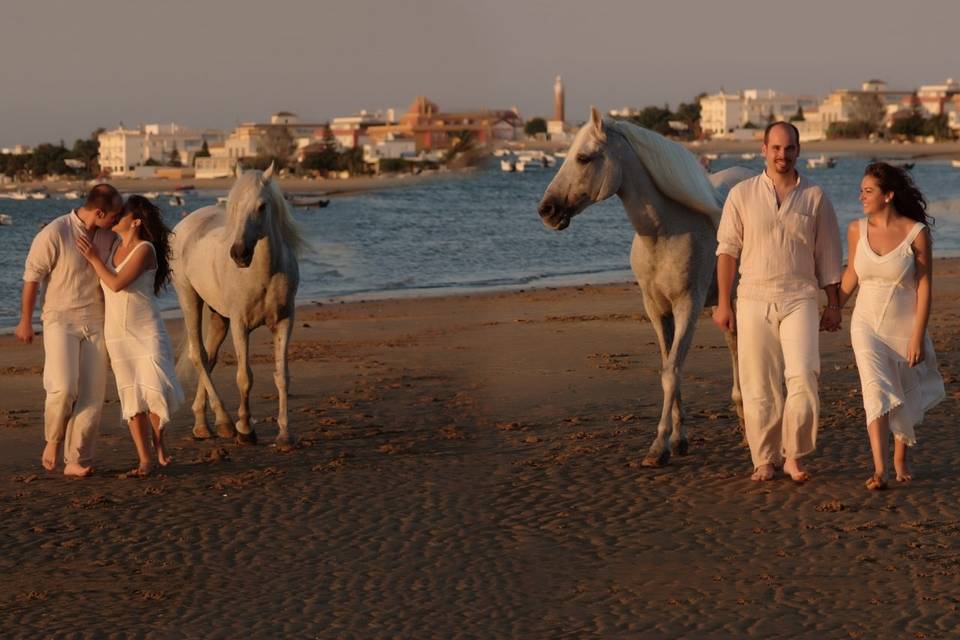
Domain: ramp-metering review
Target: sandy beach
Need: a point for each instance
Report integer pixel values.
(468, 466)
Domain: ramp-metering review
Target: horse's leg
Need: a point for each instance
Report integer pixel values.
(735, 394)
(684, 326)
(192, 306)
(241, 345)
(216, 332)
(281, 376)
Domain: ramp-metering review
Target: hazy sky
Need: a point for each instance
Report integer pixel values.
(69, 67)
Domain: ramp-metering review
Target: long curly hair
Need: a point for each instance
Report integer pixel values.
(152, 228)
(907, 199)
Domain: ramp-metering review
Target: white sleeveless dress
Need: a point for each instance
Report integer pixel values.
(880, 333)
(139, 348)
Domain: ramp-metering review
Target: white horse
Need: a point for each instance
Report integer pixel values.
(237, 267)
(674, 208)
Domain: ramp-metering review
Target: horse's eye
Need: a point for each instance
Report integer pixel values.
(262, 207)
(583, 159)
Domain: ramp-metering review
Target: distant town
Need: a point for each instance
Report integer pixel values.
(426, 137)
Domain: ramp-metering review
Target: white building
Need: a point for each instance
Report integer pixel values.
(394, 147)
(721, 113)
(123, 150)
(350, 132)
(933, 97)
(215, 167)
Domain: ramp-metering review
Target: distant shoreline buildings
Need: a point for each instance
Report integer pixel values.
(738, 115)
(424, 133)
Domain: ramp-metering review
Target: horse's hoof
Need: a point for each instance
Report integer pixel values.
(226, 430)
(285, 442)
(247, 438)
(680, 447)
(656, 461)
(201, 432)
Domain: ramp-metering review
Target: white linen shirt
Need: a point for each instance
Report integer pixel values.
(70, 286)
(786, 253)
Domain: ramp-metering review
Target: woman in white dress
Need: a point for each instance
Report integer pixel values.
(890, 258)
(137, 342)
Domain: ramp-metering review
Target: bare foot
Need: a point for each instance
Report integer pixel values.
(162, 457)
(877, 482)
(75, 469)
(795, 470)
(49, 459)
(140, 472)
(763, 473)
(904, 474)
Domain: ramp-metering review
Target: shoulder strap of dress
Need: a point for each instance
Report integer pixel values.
(914, 232)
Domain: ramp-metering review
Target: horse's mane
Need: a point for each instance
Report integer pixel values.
(284, 220)
(674, 170)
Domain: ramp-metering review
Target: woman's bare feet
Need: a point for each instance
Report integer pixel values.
(900, 464)
(795, 470)
(140, 472)
(78, 470)
(763, 473)
(162, 456)
(49, 458)
(877, 482)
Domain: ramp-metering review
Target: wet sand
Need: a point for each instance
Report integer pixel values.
(468, 466)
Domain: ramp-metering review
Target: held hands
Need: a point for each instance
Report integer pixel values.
(830, 320)
(915, 353)
(725, 318)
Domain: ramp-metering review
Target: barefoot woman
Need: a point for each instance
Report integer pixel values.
(890, 258)
(140, 354)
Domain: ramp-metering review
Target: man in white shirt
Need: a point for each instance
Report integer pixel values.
(75, 356)
(783, 230)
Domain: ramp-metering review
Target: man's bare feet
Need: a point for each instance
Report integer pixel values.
(49, 459)
(763, 473)
(795, 470)
(78, 470)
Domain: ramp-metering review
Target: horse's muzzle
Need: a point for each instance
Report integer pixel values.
(241, 256)
(555, 217)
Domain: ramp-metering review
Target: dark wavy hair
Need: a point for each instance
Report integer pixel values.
(153, 229)
(907, 199)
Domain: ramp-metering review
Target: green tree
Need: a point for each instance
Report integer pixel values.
(654, 118)
(798, 116)
(174, 159)
(909, 126)
(203, 153)
(277, 143)
(534, 126)
(868, 108)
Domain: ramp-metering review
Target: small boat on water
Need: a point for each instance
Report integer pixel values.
(39, 195)
(508, 165)
(308, 201)
(222, 200)
(955, 164)
(151, 195)
(6, 219)
(823, 162)
(711, 156)
(72, 195)
(748, 156)
(562, 155)
(18, 195)
(175, 201)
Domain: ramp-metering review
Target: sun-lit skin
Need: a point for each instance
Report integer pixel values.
(780, 152)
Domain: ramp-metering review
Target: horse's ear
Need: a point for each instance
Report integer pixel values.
(597, 120)
(265, 178)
